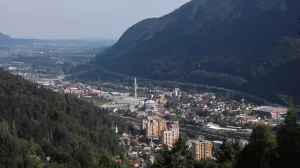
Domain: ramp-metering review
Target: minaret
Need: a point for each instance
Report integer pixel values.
(135, 88)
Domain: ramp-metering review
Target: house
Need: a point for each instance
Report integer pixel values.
(94, 93)
(118, 161)
(136, 162)
(161, 100)
(115, 93)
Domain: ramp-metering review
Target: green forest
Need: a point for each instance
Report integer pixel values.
(36, 123)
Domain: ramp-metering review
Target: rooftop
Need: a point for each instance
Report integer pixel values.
(270, 109)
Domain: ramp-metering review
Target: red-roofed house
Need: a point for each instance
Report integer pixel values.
(94, 94)
(161, 100)
(118, 161)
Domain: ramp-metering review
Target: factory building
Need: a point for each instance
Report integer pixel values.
(269, 112)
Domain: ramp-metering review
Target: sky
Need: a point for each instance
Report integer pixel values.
(78, 19)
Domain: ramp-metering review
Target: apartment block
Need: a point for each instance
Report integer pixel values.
(201, 149)
(154, 125)
(170, 135)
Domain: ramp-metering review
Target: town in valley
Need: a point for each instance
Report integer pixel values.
(156, 113)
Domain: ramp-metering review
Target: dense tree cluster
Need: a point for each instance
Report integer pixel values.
(37, 123)
(265, 149)
(179, 156)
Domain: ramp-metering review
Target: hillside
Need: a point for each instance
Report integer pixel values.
(36, 122)
(229, 43)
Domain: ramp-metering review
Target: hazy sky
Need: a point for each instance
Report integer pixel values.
(77, 18)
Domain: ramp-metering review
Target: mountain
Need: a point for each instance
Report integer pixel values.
(4, 38)
(246, 45)
(7, 40)
(37, 123)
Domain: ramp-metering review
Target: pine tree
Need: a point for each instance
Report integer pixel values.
(259, 150)
(227, 154)
(206, 164)
(288, 138)
(178, 157)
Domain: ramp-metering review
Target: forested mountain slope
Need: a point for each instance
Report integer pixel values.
(35, 122)
(229, 43)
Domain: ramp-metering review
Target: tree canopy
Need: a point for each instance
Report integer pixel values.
(179, 156)
(38, 123)
(288, 138)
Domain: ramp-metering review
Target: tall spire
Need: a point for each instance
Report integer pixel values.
(135, 88)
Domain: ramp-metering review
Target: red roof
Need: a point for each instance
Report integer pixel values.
(136, 161)
(118, 161)
(162, 100)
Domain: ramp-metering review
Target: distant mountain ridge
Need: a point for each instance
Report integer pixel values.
(4, 38)
(230, 43)
(7, 40)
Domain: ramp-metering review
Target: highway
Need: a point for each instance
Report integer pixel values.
(173, 82)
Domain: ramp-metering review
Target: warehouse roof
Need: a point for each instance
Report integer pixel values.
(270, 109)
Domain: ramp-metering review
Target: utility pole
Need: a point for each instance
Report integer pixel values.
(265, 102)
(277, 118)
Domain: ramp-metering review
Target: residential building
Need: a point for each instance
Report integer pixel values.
(161, 100)
(144, 124)
(176, 92)
(170, 135)
(154, 125)
(201, 149)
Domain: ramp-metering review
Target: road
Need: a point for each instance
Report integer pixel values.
(173, 82)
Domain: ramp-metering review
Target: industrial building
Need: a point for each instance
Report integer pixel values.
(269, 112)
(46, 82)
(128, 101)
